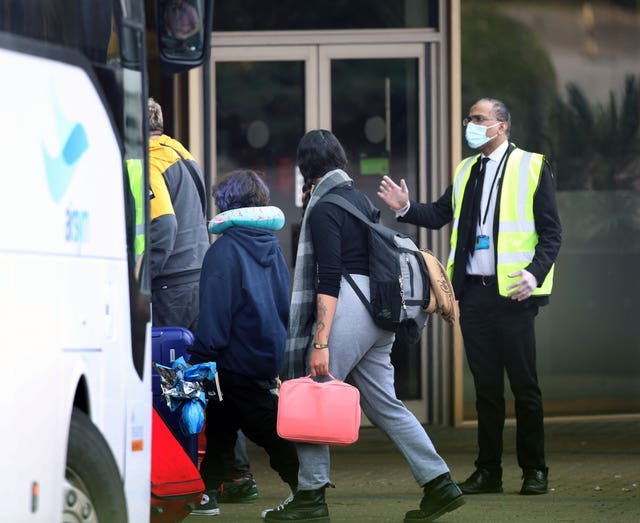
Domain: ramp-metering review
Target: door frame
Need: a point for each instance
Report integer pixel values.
(329, 52)
(435, 368)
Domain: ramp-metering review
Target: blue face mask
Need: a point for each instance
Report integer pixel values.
(476, 135)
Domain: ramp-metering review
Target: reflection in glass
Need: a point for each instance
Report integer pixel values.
(574, 92)
(374, 114)
(180, 28)
(257, 15)
(260, 118)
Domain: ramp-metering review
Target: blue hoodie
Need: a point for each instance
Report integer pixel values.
(244, 304)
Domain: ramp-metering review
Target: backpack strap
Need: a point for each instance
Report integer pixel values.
(196, 179)
(357, 290)
(384, 231)
(352, 209)
(345, 204)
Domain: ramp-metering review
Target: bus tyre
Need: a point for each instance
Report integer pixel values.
(93, 491)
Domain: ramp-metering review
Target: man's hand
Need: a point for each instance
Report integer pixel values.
(524, 287)
(394, 195)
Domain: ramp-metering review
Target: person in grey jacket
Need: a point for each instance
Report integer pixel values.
(179, 237)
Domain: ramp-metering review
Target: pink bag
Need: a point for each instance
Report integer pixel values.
(326, 412)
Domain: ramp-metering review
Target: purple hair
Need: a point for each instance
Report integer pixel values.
(240, 188)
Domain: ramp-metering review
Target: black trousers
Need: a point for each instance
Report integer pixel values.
(499, 335)
(252, 406)
(177, 305)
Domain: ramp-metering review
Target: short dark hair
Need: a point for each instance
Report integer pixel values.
(240, 188)
(319, 152)
(500, 111)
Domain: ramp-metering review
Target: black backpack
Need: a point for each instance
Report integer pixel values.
(398, 277)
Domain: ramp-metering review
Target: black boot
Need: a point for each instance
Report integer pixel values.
(441, 495)
(307, 505)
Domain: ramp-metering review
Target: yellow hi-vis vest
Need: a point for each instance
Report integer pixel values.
(517, 237)
(134, 169)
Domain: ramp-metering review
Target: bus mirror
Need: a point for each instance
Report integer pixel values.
(184, 31)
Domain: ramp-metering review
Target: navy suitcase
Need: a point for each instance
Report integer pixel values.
(168, 344)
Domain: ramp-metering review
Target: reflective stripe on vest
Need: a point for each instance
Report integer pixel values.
(134, 168)
(460, 179)
(517, 237)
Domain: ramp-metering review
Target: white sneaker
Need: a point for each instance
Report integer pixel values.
(279, 507)
(208, 505)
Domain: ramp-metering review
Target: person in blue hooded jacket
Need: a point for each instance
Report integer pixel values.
(244, 311)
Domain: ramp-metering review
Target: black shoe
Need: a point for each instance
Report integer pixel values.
(482, 481)
(238, 490)
(208, 505)
(441, 495)
(306, 505)
(535, 482)
(277, 508)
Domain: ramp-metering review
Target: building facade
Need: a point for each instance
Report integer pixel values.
(393, 80)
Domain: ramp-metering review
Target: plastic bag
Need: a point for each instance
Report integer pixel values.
(187, 390)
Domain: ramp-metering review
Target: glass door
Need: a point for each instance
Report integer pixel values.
(263, 105)
(371, 97)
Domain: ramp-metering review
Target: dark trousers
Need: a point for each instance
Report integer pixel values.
(252, 406)
(176, 306)
(499, 335)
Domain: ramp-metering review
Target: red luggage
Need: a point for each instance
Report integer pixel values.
(176, 485)
(168, 344)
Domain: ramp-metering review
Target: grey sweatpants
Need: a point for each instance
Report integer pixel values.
(360, 353)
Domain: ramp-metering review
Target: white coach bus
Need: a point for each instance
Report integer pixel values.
(75, 384)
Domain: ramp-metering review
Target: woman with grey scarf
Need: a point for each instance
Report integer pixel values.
(331, 332)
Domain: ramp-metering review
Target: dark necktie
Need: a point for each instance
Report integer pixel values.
(477, 199)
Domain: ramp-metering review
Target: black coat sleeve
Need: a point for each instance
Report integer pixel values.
(433, 215)
(547, 221)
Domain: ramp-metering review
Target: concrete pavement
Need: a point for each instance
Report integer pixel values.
(594, 477)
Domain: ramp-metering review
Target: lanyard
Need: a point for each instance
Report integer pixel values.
(495, 177)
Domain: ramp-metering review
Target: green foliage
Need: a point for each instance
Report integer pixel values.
(597, 147)
(503, 59)
(590, 146)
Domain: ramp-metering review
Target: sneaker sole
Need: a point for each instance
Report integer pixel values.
(450, 507)
(242, 499)
(212, 512)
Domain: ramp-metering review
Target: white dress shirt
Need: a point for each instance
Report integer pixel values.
(483, 261)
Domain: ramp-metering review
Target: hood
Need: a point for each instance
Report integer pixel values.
(260, 244)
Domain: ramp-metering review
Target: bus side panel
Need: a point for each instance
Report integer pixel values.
(64, 287)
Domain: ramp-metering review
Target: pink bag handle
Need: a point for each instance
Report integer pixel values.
(314, 378)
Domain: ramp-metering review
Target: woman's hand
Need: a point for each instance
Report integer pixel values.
(319, 358)
(319, 362)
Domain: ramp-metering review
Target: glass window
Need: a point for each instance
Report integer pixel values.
(260, 117)
(374, 114)
(257, 15)
(569, 73)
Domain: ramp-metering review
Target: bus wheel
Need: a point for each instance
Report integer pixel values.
(93, 491)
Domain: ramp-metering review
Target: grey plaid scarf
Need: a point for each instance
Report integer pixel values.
(303, 296)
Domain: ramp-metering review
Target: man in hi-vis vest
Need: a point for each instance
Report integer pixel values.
(505, 238)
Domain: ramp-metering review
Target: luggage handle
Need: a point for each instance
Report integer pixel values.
(321, 379)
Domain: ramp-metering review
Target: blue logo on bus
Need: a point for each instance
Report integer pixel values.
(61, 167)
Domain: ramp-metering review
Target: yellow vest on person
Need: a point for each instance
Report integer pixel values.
(517, 237)
(134, 169)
